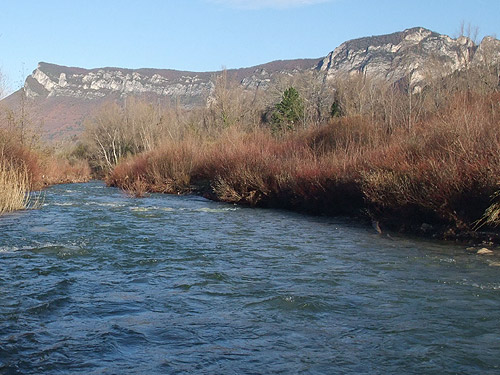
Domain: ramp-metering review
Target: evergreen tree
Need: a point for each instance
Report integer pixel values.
(336, 109)
(289, 111)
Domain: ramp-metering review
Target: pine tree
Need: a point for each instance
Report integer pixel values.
(289, 111)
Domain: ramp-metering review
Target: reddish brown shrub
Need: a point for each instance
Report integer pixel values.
(441, 170)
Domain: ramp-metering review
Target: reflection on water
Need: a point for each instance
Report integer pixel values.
(96, 282)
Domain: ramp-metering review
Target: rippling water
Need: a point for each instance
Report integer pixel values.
(99, 283)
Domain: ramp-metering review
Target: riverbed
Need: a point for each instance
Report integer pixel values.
(96, 282)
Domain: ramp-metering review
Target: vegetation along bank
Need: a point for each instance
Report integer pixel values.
(28, 165)
(422, 162)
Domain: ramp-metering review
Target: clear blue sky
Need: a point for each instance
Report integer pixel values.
(205, 35)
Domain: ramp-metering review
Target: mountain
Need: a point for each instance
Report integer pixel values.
(189, 88)
(61, 97)
(415, 54)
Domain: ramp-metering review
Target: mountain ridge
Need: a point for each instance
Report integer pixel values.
(63, 96)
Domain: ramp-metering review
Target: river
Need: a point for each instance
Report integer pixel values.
(95, 282)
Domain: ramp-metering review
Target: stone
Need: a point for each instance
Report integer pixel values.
(376, 226)
(484, 251)
(426, 227)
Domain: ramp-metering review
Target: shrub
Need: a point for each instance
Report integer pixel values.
(442, 170)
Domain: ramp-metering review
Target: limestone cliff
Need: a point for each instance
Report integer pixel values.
(187, 88)
(415, 54)
(63, 96)
(50, 80)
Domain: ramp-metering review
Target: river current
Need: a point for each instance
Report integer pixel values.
(95, 282)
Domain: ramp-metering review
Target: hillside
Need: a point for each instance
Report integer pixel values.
(59, 97)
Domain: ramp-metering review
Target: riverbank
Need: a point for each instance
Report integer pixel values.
(26, 168)
(384, 225)
(435, 178)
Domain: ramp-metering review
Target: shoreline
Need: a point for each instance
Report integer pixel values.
(437, 178)
(384, 226)
(421, 229)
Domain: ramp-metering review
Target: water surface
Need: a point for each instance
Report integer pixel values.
(96, 282)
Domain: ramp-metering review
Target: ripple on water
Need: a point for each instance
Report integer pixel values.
(60, 204)
(61, 250)
(483, 286)
(216, 210)
(289, 302)
(92, 284)
(48, 307)
(183, 209)
(106, 204)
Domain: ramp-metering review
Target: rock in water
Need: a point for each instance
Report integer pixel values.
(376, 226)
(484, 251)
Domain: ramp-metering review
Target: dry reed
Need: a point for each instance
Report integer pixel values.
(14, 187)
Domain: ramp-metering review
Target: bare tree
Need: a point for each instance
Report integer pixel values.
(468, 30)
(106, 138)
(230, 104)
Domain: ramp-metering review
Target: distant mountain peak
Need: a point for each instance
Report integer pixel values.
(416, 54)
(63, 96)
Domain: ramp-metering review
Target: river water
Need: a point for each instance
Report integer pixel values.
(96, 282)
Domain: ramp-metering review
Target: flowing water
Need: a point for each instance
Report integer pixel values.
(96, 282)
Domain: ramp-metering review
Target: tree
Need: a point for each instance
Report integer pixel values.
(107, 137)
(230, 104)
(336, 109)
(289, 111)
(19, 120)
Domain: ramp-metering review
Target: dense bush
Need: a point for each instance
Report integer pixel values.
(442, 171)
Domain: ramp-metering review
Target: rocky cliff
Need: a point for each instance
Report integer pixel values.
(188, 88)
(50, 80)
(62, 97)
(415, 54)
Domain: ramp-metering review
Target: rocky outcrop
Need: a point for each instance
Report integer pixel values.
(50, 80)
(63, 96)
(187, 88)
(414, 54)
(488, 52)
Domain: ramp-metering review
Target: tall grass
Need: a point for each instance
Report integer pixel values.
(168, 169)
(14, 187)
(58, 170)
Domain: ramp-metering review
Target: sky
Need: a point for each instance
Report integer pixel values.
(207, 35)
